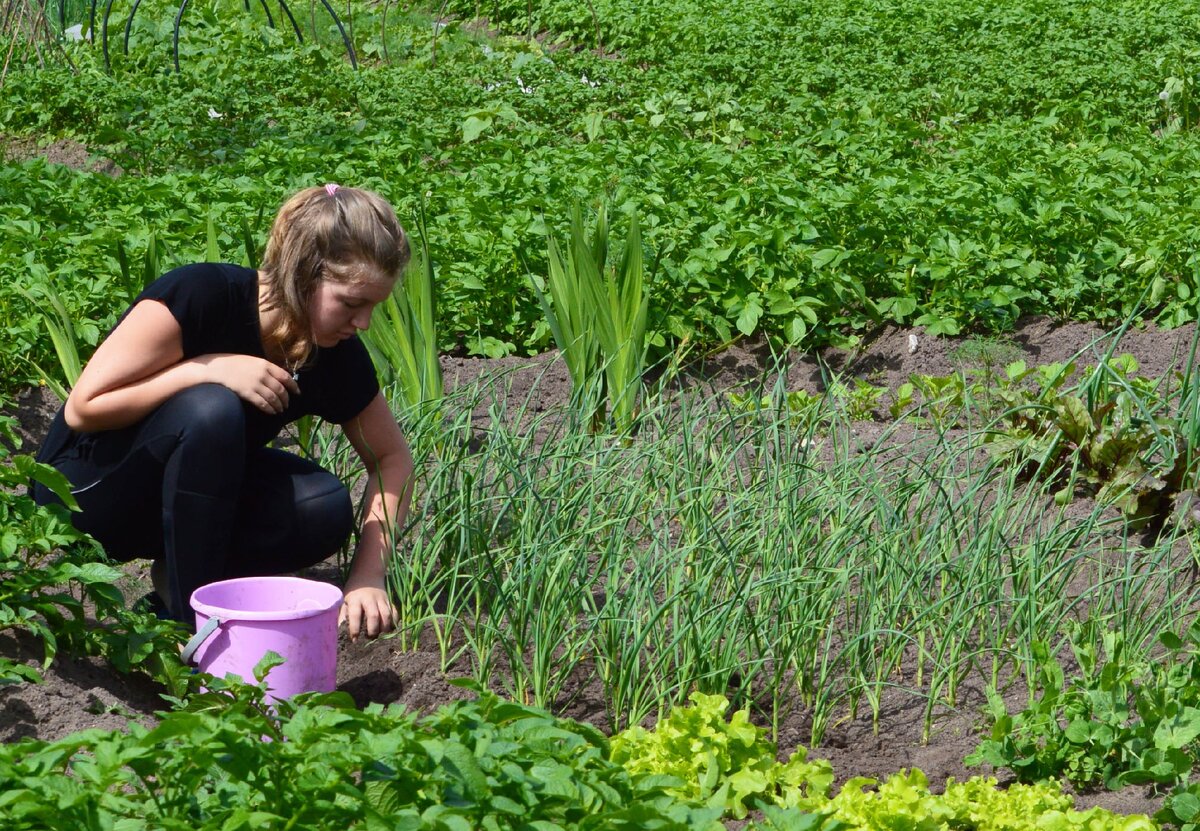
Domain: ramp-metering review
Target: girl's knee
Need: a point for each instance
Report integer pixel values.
(211, 402)
(207, 410)
(326, 512)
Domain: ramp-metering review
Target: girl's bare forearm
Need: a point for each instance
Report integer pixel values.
(92, 411)
(389, 491)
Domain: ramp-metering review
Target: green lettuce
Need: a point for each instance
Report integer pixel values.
(719, 763)
(904, 803)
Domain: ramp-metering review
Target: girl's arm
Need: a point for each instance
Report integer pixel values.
(140, 365)
(385, 454)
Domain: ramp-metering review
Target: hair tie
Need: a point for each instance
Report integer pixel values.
(331, 188)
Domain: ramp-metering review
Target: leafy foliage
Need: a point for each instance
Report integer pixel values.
(1108, 434)
(1121, 722)
(1182, 808)
(50, 570)
(226, 760)
(598, 318)
(858, 401)
(904, 801)
(796, 173)
(725, 764)
(1105, 431)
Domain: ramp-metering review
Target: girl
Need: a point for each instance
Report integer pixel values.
(164, 437)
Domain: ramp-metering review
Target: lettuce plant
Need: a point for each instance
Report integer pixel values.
(719, 763)
(727, 764)
(905, 803)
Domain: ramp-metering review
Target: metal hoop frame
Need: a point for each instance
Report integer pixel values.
(283, 6)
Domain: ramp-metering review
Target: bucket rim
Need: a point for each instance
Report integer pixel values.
(209, 610)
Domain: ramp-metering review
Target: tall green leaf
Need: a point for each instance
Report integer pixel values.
(597, 316)
(402, 338)
(62, 334)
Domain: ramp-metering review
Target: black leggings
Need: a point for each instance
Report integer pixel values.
(181, 486)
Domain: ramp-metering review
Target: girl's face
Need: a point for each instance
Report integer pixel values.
(341, 310)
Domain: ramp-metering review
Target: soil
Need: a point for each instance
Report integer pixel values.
(67, 152)
(84, 693)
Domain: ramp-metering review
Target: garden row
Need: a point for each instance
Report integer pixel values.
(223, 759)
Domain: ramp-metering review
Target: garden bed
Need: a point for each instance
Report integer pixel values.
(79, 693)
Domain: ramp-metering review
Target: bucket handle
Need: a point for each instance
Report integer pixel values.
(199, 638)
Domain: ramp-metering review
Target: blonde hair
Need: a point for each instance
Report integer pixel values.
(345, 235)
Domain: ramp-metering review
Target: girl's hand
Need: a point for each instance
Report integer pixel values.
(257, 381)
(367, 609)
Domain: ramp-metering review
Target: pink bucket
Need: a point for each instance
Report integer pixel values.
(239, 621)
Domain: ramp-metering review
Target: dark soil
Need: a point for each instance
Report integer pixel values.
(84, 693)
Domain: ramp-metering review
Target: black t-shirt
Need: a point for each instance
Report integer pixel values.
(216, 305)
